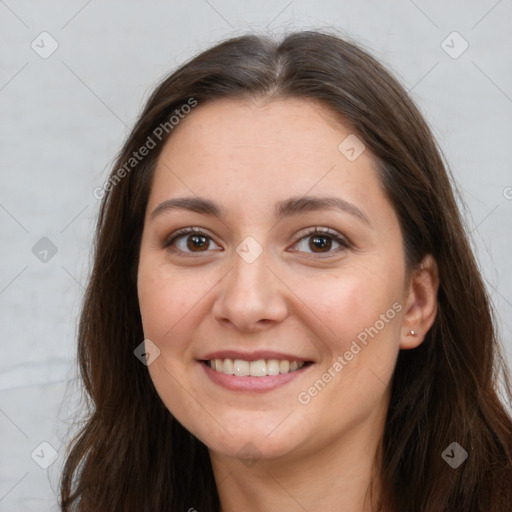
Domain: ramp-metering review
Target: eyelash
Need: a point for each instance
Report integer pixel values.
(326, 232)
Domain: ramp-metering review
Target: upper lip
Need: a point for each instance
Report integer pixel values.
(252, 356)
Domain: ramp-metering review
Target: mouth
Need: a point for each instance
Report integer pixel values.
(258, 368)
(256, 372)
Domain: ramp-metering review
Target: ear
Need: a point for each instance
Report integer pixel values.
(420, 304)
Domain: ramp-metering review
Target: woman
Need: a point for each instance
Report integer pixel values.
(281, 232)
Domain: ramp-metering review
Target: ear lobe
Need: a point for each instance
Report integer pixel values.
(421, 308)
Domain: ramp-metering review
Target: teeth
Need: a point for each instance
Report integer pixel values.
(284, 366)
(226, 367)
(260, 368)
(273, 367)
(240, 368)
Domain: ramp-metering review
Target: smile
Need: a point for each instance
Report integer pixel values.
(259, 368)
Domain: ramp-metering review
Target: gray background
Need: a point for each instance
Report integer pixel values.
(64, 118)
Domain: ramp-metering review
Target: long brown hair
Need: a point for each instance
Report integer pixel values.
(132, 455)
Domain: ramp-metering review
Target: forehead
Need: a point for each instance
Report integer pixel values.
(284, 128)
(262, 152)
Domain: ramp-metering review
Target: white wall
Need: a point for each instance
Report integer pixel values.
(63, 119)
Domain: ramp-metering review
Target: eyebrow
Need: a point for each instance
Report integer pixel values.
(286, 208)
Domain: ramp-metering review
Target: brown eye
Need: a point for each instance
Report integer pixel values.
(322, 242)
(197, 243)
(190, 240)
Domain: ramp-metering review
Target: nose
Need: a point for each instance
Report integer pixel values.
(251, 298)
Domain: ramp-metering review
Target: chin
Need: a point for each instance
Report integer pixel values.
(254, 441)
(249, 450)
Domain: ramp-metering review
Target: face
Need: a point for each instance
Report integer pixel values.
(267, 248)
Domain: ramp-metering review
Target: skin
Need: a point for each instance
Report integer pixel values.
(294, 298)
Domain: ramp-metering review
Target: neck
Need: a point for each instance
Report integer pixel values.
(343, 476)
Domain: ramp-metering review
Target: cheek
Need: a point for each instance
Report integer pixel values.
(167, 300)
(169, 306)
(361, 310)
(362, 313)
(350, 303)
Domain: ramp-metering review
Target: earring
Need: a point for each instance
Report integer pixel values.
(412, 333)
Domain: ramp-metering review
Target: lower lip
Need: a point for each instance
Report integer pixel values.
(252, 384)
